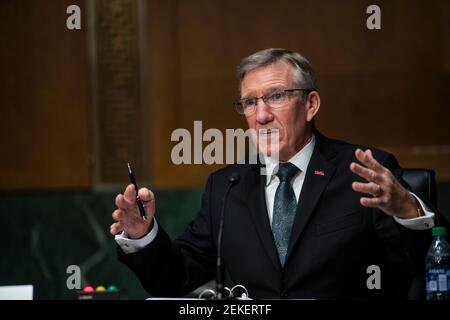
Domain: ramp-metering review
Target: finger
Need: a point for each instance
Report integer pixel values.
(370, 202)
(117, 214)
(146, 195)
(367, 159)
(122, 203)
(115, 228)
(369, 188)
(364, 172)
(130, 194)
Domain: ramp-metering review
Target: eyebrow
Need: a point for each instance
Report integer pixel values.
(270, 91)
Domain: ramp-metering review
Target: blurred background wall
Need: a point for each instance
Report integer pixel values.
(76, 105)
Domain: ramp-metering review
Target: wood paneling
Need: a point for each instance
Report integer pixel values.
(387, 88)
(44, 97)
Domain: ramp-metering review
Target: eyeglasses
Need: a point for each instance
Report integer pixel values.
(275, 100)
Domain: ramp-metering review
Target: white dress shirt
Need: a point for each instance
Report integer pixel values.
(300, 160)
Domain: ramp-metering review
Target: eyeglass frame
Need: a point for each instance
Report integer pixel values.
(265, 97)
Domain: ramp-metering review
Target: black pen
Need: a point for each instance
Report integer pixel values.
(138, 200)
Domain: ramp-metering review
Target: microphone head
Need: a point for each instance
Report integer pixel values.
(234, 178)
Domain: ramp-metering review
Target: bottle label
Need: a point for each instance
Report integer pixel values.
(438, 279)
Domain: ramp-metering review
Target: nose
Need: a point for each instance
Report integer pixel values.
(263, 113)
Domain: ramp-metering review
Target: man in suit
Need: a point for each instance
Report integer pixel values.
(310, 228)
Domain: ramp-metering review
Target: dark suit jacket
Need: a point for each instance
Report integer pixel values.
(334, 239)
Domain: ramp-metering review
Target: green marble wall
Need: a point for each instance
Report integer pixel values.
(43, 233)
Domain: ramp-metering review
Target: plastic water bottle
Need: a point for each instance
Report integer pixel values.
(437, 265)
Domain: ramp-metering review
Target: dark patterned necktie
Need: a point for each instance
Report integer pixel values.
(284, 209)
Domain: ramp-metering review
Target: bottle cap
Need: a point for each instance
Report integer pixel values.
(439, 231)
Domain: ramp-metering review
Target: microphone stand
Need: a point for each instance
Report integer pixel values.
(220, 270)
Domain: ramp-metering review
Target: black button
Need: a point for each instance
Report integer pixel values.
(285, 295)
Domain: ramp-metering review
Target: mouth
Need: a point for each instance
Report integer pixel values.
(269, 141)
(269, 136)
(267, 132)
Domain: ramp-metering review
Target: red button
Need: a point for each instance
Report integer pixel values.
(88, 289)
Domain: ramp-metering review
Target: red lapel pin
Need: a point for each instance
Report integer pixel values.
(319, 172)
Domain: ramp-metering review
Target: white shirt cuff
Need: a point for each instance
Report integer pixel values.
(419, 223)
(134, 245)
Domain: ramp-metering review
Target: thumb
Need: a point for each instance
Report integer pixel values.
(148, 198)
(146, 195)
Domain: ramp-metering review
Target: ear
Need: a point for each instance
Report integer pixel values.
(312, 105)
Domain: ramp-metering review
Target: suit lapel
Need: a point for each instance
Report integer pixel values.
(318, 175)
(258, 210)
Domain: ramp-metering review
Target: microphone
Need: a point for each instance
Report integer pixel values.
(220, 272)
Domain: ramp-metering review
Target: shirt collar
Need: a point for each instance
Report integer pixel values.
(300, 160)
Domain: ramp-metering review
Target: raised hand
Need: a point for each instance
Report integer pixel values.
(387, 194)
(127, 214)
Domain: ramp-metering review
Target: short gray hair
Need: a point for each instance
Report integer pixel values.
(304, 73)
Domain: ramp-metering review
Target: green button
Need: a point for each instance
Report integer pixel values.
(113, 288)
